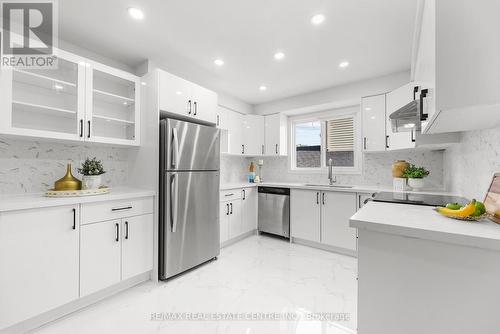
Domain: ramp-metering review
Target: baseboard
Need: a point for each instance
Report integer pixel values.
(76, 305)
(238, 238)
(329, 248)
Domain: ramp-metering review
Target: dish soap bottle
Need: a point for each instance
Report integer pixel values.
(251, 173)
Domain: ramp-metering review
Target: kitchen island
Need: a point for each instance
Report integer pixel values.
(419, 272)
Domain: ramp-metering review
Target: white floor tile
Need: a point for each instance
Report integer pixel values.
(257, 275)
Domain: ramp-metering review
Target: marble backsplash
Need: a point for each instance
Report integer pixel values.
(32, 166)
(376, 169)
(469, 166)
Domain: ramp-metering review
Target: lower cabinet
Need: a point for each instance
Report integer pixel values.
(336, 209)
(249, 202)
(323, 217)
(113, 251)
(305, 214)
(238, 212)
(38, 261)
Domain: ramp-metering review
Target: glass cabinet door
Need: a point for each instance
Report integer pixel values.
(113, 113)
(49, 102)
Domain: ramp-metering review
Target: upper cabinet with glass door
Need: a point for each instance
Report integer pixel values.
(78, 101)
(44, 103)
(112, 105)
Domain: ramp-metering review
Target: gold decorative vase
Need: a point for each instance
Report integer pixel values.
(399, 167)
(68, 182)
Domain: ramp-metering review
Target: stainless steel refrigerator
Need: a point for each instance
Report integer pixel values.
(189, 196)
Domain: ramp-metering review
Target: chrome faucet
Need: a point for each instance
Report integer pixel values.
(331, 177)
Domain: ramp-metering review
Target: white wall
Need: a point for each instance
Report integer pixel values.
(470, 165)
(336, 97)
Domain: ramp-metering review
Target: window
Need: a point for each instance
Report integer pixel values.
(328, 135)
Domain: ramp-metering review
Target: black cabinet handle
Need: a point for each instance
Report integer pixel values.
(120, 209)
(195, 108)
(117, 227)
(412, 136)
(244, 194)
(262, 149)
(243, 149)
(88, 133)
(386, 141)
(364, 143)
(323, 198)
(218, 124)
(74, 219)
(81, 128)
(126, 230)
(227, 209)
(276, 148)
(231, 207)
(317, 198)
(189, 107)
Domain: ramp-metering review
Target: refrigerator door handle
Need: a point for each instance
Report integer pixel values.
(175, 147)
(174, 192)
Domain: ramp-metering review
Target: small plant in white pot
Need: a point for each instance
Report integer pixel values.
(92, 171)
(415, 176)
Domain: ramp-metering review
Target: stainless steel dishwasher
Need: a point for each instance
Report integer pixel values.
(274, 211)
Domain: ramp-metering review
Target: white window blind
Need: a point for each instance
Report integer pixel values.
(340, 134)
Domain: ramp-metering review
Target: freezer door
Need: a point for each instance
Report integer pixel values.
(189, 230)
(189, 146)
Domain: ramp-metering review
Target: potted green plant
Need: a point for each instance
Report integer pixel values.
(415, 176)
(92, 170)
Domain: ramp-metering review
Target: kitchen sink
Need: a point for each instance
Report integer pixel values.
(328, 185)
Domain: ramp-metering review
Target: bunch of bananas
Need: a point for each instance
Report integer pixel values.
(472, 210)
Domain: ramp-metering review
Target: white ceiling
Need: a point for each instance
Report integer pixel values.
(185, 36)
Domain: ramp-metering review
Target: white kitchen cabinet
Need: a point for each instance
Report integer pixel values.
(249, 203)
(276, 135)
(44, 103)
(457, 60)
(235, 132)
(39, 251)
(100, 251)
(224, 221)
(80, 100)
(395, 100)
(181, 97)
(305, 214)
(374, 123)
(235, 219)
(253, 135)
(137, 245)
(336, 209)
(112, 112)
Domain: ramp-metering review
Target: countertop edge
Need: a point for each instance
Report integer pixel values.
(38, 200)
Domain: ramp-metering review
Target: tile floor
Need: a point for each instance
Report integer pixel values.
(257, 275)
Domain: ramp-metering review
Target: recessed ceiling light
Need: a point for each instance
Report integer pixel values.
(279, 55)
(368, 108)
(125, 103)
(178, 92)
(219, 62)
(344, 64)
(262, 88)
(58, 87)
(409, 125)
(143, 83)
(136, 13)
(318, 19)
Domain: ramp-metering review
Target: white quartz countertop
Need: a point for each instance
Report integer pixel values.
(355, 188)
(423, 222)
(38, 200)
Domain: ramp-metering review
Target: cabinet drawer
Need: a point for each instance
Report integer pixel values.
(229, 195)
(101, 211)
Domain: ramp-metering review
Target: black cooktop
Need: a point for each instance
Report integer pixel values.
(417, 199)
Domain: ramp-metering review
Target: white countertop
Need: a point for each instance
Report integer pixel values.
(38, 200)
(423, 222)
(355, 188)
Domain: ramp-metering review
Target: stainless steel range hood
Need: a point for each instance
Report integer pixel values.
(409, 117)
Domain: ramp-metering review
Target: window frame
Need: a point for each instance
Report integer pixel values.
(322, 117)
